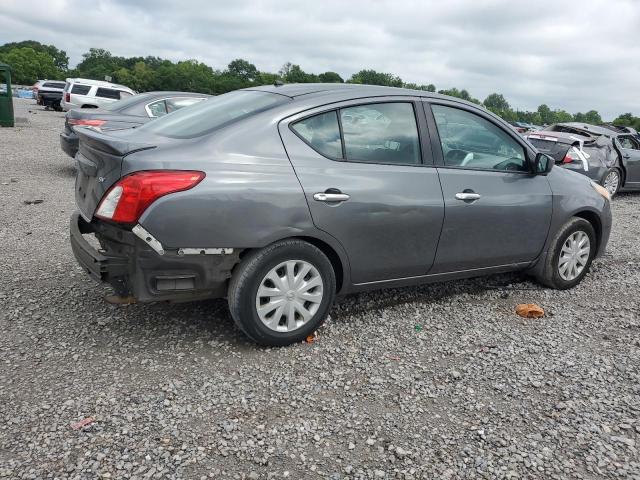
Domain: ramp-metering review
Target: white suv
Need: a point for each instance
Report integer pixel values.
(85, 93)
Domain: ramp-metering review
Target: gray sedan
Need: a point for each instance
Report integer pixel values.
(282, 197)
(130, 112)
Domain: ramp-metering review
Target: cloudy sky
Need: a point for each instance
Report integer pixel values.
(571, 54)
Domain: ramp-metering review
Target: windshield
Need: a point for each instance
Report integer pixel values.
(215, 113)
(122, 104)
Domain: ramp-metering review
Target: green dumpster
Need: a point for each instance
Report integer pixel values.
(6, 102)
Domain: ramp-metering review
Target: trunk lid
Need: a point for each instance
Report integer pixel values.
(556, 144)
(99, 161)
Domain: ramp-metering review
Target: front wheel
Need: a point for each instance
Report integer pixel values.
(570, 256)
(281, 294)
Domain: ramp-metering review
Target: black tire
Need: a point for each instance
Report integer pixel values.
(612, 171)
(550, 277)
(246, 280)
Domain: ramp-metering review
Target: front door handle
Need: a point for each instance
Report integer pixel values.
(331, 197)
(627, 156)
(466, 196)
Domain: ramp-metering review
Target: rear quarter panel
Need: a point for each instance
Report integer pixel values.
(249, 198)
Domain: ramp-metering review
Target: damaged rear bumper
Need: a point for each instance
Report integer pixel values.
(132, 266)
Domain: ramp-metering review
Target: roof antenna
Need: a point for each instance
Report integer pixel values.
(278, 83)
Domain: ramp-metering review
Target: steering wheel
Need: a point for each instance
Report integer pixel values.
(468, 157)
(508, 164)
(456, 157)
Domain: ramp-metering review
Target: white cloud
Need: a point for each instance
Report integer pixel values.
(573, 54)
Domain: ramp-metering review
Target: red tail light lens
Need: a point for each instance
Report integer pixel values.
(570, 157)
(127, 200)
(86, 123)
(67, 97)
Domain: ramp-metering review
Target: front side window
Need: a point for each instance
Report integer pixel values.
(381, 133)
(322, 133)
(628, 143)
(470, 141)
(80, 89)
(108, 93)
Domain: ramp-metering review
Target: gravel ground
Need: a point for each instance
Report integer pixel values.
(442, 381)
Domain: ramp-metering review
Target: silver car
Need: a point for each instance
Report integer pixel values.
(282, 197)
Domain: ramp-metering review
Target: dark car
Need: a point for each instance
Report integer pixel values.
(127, 113)
(608, 155)
(48, 93)
(280, 198)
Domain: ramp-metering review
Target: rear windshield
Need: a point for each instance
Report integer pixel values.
(215, 113)
(127, 102)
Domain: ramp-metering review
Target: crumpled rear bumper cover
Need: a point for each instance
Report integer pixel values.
(133, 268)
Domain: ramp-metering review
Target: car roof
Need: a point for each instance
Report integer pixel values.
(587, 127)
(355, 90)
(100, 83)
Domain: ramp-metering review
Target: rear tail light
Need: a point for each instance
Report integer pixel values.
(78, 122)
(127, 200)
(571, 157)
(67, 97)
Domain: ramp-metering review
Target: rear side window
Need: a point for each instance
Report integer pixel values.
(215, 113)
(322, 133)
(375, 133)
(108, 93)
(80, 89)
(174, 104)
(157, 109)
(381, 133)
(470, 141)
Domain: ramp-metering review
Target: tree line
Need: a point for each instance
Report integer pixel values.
(30, 60)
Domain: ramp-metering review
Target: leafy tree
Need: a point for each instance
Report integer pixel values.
(371, 77)
(579, 117)
(330, 77)
(496, 103)
(243, 70)
(463, 94)
(414, 86)
(99, 63)
(27, 65)
(60, 58)
(294, 74)
(562, 116)
(546, 115)
(593, 117)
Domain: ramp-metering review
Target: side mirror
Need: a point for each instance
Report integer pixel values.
(542, 164)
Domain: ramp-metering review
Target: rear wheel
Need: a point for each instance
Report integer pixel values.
(281, 294)
(612, 181)
(571, 254)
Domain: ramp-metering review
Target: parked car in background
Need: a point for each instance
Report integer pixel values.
(609, 156)
(519, 127)
(48, 93)
(85, 93)
(281, 197)
(128, 113)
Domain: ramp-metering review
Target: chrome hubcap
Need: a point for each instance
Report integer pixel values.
(612, 181)
(574, 256)
(289, 295)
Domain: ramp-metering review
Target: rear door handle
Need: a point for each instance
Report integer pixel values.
(331, 197)
(467, 196)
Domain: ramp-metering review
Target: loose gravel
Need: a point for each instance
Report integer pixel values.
(439, 382)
